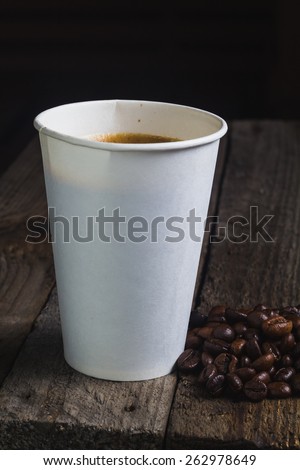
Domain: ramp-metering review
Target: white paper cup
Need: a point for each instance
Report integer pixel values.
(125, 306)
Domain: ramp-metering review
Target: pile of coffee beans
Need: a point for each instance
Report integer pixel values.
(252, 354)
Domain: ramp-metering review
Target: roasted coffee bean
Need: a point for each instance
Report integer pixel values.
(264, 362)
(285, 374)
(206, 359)
(275, 351)
(233, 315)
(256, 318)
(258, 347)
(215, 385)
(245, 310)
(237, 346)
(234, 382)
(279, 390)
(204, 332)
(276, 327)
(266, 347)
(215, 346)
(245, 361)
(224, 332)
(260, 307)
(193, 342)
(271, 348)
(233, 364)
(217, 314)
(286, 361)
(213, 324)
(263, 376)
(192, 332)
(207, 373)
(287, 343)
(271, 313)
(297, 364)
(197, 319)
(188, 361)
(272, 371)
(252, 333)
(222, 363)
(245, 373)
(239, 328)
(296, 383)
(291, 309)
(252, 348)
(218, 310)
(293, 318)
(255, 390)
(295, 353)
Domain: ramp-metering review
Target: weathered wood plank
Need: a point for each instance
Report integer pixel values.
(202, 422)
(26, 270)
(263, 170)
(45, 404)
(22, 188)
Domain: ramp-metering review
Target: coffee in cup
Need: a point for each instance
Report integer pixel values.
(132, 138)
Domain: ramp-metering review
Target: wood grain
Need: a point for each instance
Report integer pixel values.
(201, 422)
(45, 404)
(263, 170)
(26, 270)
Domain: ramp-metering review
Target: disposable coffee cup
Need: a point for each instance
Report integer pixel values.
(125, 251)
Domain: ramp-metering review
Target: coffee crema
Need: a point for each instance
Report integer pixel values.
(132, 138)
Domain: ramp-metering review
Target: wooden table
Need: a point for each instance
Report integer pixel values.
(44, 404)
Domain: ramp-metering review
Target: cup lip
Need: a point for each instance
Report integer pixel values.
(110, 146)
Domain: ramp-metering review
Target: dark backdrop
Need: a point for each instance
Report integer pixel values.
(239, 59)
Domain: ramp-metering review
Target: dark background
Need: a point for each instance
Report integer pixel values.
(239, 59)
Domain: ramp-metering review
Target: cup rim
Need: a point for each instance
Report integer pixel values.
(111, 146)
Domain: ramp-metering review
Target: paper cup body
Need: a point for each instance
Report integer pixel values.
(124, 245)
